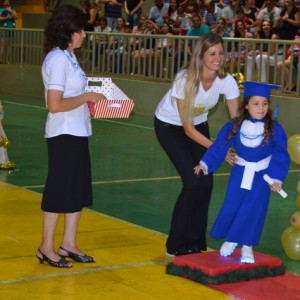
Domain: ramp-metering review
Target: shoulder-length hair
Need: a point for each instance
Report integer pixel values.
(64, 21)
(243, 114)
(194, 70)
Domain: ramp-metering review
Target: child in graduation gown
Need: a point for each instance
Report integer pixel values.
(261, 148)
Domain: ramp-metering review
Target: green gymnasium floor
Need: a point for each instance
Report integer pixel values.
(132, 178)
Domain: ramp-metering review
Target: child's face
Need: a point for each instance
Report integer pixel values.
(258, 107)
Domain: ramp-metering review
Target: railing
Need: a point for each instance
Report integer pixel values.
(105, 54)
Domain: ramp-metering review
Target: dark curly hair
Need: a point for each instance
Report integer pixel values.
(64, 21)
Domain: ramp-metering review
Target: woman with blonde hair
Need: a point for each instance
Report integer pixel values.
(182, 130)
(221, 28)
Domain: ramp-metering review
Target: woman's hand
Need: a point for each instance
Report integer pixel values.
(198, 169)
(231, 157)
(95, 97)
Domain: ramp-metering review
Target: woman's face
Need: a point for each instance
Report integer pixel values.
(173, 4)
(266, 26)
(258, 107)
(240, 26)
(143, 19)
(213, 58)
(77, 40)
(221, 24)
(165, 29)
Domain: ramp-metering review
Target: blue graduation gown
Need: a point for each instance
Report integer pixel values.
(242, 216)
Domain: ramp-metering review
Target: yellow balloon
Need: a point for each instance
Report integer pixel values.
(290, 240)
(298, 201)
(294, 148)
(295, 219)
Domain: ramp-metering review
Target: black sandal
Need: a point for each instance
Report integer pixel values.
(77, 257)
(62, 263)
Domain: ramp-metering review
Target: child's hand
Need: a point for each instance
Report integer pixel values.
(231, 156)
(275, 186)
(198, 169)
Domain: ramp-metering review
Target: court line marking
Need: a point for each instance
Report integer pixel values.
(140, 180)
(84, 271)
(97, 120)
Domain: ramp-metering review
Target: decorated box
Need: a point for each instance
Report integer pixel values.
(117, 104)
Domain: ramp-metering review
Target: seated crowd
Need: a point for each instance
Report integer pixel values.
(255, 19)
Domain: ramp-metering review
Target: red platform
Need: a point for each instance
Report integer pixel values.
(282, 287)
(211, 268)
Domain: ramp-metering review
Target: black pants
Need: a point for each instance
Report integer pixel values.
(189, 219)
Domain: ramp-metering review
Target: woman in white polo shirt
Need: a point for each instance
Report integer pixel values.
(68, 186)
(182, 130)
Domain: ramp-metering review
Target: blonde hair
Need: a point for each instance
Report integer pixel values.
(194, 71)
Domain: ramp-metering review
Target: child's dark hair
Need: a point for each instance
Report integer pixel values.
(243, 114)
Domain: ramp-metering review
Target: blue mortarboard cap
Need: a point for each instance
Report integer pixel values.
(252, 88)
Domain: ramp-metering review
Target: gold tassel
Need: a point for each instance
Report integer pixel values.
(240, 78)
(8, 166)
(4, 142)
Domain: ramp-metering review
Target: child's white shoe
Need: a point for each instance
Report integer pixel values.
(227, 248)
(247, 255)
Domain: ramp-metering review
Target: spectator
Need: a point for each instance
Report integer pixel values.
(145, 55)
(136, 42)
(195, 7)
(292, 61)
(112, 11)
(133, 10)
(259, 4)
(171, 17)
(164, 46)
(229, 13)
(241, 30)
(103, 25)
(141, 25)
(270, 12)
(101, 41)
(158, 11)
(240, 48)
(240, 15)
(198, 29)
(250, 12)
(118, 47)
(221, 28)
(8, 15)
(91, 14)
(138, 29)
(264, 57)
(98, 6)
(184, 19)
(212, 13)
(288, 23)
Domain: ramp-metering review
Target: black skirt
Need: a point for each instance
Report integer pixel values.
(68, 186)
